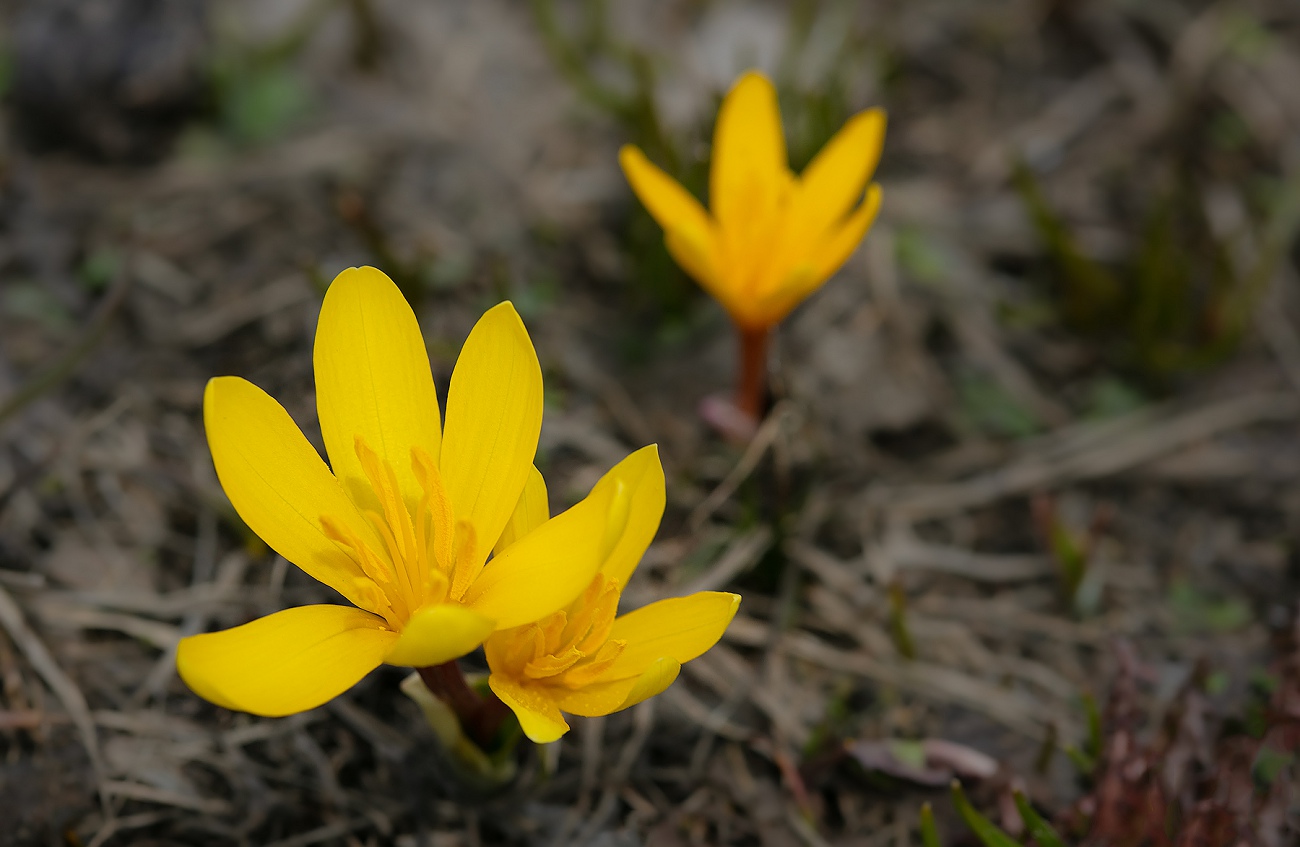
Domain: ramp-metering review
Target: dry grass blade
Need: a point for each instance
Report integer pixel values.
(328, 832)
(64, 366)
(941, 684)
(126, 824)
(214, 324)
(739, 557)
(761, 443)
(1176, 430)
(11, 618)
(163, 797)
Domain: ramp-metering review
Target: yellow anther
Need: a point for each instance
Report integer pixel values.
(552, 629)
(604, 610)
(467, 564)
(549, 666)
(375, 600)
(437, 507)
(399, 534)
(526, 644)
(341, 535)
(569, 647)
(590, 669)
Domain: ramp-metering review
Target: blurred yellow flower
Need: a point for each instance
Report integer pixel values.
(583, 660)
(403, 523)
(770, 238)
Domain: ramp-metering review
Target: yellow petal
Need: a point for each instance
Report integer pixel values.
(821, 261)
(278, 484)
(538, 715)
(494, 415)
(643, 479)
(750, 165)
(679, 628)
(545, 570)
(671, 205)
(607, 697)
(841, 243)
(653, 680)
(689, 232)
(834, 181)
(797, 284)
(287, 662)
(532, 510)
(693, 253)
(373, 380)
(592, 701)
(437, 634)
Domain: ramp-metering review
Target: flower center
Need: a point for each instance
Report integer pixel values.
(425, 555)
(570, 647)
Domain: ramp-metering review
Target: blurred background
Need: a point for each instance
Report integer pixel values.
(1025, 505)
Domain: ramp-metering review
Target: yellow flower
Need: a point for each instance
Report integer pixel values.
(403, 524)
(582, 659)
(770, 238)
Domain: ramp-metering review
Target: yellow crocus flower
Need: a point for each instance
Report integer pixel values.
(402, 520)
(770, 238)
(582, 659)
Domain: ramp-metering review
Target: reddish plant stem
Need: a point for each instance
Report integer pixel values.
(480, 717)
(448, 684)
(490, 717)
(751, 390)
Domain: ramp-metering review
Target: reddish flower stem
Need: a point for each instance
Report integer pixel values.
(479, 717)
(751, 390)
(493, 713)
(448, 684)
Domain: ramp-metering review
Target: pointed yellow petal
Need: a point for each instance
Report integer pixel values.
(278, 484)
(287, 662)
(532, 510)
(693, 252)
(653, 680)
(834, 181)
(538, 715)
(749, 165)
(548, 568)
(821, 261)
(689, 232)
(798, 283)
(494, 415)
(671, 205)
(592, 701)
(607, 697)
(643, 479)
(373, 380)
(679, 628)
(842, 242)
(437, 634)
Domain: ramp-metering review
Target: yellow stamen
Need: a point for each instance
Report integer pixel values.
(395, 525)
(436, 506)
(549, 666)
(589, 671)
(571, 647)
(552, 629)
(416, 562)
(467, 566)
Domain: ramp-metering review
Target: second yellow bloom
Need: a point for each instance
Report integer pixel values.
(769, 238)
